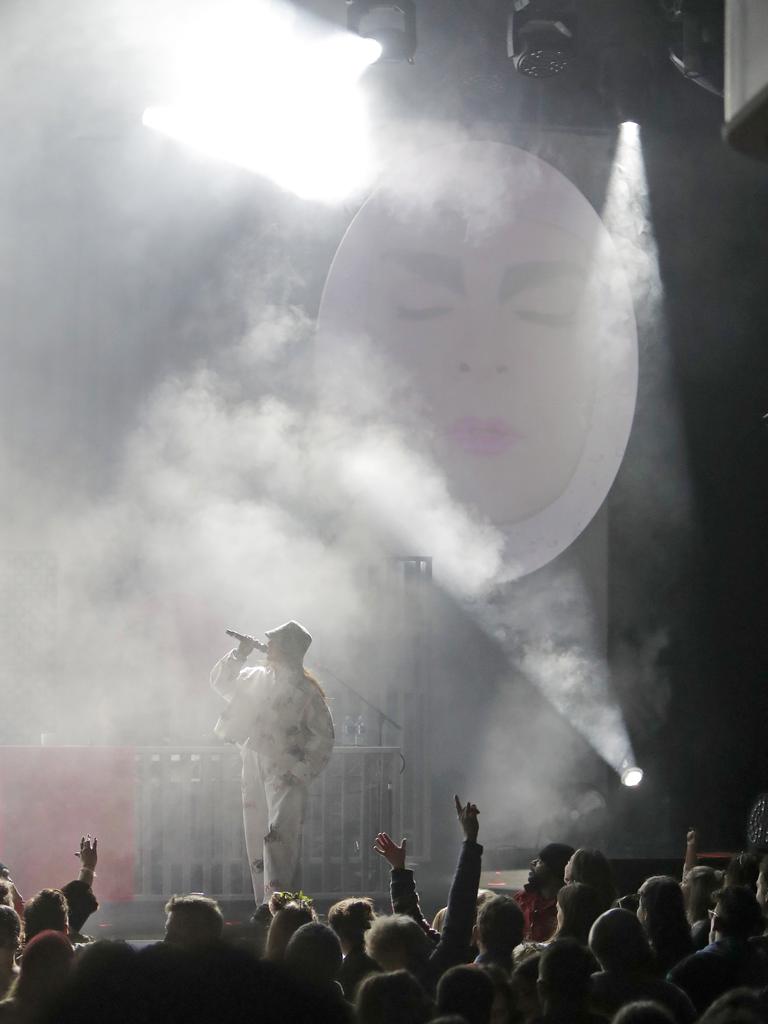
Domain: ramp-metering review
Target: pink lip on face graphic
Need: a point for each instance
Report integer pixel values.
(483, 436)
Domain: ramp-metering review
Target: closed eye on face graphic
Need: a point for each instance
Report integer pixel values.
(518, 280)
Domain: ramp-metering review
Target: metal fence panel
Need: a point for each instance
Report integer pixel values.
(190, 833)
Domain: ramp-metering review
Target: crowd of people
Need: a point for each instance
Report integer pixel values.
(566, 949)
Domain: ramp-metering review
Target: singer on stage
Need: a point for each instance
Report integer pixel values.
(278, 715)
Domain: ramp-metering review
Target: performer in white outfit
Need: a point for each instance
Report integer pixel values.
(278, 716)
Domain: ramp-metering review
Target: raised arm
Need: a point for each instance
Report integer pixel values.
(456, 937)
(691, 852)
(402, 885)
(89, 856)
(225, 672)
(452, 946)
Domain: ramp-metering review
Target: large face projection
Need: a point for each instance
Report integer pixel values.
(503, 330)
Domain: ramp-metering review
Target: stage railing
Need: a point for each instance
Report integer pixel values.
(189, 831)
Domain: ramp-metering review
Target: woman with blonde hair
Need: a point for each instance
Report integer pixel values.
(286, 921)
(439, 919)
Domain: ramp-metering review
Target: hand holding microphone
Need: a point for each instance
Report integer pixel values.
(246, 643)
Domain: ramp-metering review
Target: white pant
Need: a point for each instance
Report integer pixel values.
(273, 813)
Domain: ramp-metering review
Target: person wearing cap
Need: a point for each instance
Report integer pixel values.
(538, 899)
(278, 716)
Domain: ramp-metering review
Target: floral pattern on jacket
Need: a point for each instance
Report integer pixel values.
(279, 714)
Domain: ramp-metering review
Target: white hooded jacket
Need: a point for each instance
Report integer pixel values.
(279, 714)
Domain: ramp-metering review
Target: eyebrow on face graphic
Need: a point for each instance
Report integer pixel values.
(447, 272)
(432, 268)
(521, 277)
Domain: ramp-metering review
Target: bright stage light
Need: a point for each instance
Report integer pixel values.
(392, 25)
(632, 776)
(261, 87)
(372, 49)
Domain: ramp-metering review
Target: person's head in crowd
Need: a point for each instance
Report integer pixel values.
(467, 991)
(193, 921)
(524, 982)
(743, 869)
(565, 976)
(396, 942)
(591, 867)
(81, 903)
(104, 975)
(351, 919)
(46, 911)
(737, 914)
(662, 914)
(10, 928)
(630, 902)
(9, 894)
(762, 883)
(738, 1006)
(500, 926)
(548, 869)
(504, 1005)
(10, 942)
(439, 919)
(313, 954)
(278, 900)
(285, 922)
(618, 941)
(393, 998)
(643, 1012)
(164, 973)
(578, 907)
(45, 968)
(698, 888)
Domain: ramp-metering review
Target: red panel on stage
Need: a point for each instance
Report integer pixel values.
(49, 797)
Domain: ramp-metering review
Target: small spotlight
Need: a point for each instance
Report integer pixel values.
(373, 50)
(541, 37)
(632, 776)
(391, 25)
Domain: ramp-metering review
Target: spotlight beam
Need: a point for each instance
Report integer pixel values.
(392, 25)
(266, 90)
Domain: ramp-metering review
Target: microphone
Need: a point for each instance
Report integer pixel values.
(259, 646)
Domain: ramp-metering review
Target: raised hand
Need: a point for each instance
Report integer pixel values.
(88, 854)
(691, 851)
(467, 815)
(390, 851)
(245, 648)
(246, 644)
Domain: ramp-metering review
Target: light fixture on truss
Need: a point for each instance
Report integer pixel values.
(392, 25)
(541, 36)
